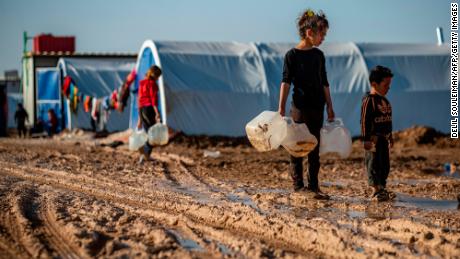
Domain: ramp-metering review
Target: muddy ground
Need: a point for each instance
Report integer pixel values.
(76, 197)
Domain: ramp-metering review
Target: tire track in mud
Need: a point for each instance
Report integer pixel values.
(15, 226)
(131, 206)
(9, 245)
(211, 190)
(39, 232)
(181, 168)
(105, 189)
(182, 173)
(201, 215)
(56, 232)
(225, 222)
(26, 227)
(242, 221)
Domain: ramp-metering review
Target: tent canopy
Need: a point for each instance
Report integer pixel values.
(215, 88)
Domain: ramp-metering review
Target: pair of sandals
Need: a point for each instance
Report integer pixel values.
(383, 195)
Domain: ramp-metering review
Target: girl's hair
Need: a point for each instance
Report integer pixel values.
(311, 20)
(154, 71)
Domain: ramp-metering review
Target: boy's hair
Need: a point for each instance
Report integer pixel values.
(153, 71)
(311, 20)
(378, 73)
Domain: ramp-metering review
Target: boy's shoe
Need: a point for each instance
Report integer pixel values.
(380, 196)
(391, 195)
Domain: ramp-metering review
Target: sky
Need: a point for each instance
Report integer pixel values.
(122, 26)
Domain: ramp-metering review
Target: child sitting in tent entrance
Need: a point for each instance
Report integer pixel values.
(51, 125)
(148, 107)
(376, 127)
(305, 67)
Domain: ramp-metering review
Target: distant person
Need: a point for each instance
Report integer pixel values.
(51, 125)
(376, 128)
(148, 110)
(20, 118)
(305, 67)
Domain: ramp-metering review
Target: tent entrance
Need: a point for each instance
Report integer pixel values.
(48, 96)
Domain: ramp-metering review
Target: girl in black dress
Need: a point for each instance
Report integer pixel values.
(305, 68)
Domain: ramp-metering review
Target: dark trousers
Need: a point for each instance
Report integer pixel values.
(378, 163)
(148, 120)
(50, 129)
(22, 130)
(314, 121)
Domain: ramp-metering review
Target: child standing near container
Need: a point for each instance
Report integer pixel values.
(148, 107)
(305, 67)
(376, 128)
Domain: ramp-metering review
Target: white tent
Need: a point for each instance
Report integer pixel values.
(420, 92)
(215, 88)
(96, 78)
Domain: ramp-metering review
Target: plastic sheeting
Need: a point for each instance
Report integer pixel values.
(211, 88)
(215, 88)
(96, 78)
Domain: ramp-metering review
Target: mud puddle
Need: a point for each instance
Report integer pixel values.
(455, 175)
(407, 201)
(186, 243)
(224, 249)
(244, 200)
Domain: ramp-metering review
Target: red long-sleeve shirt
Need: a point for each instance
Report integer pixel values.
(147, 93)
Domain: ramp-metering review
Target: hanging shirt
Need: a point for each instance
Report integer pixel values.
(148, 91)
(306, 69)
(376, 117)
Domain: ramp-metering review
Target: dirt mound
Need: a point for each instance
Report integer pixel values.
(420, 135)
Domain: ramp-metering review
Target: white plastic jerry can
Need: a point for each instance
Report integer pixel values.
(298, 141)
(335, 138)
(266, 131)
(137, 139)
(158, 134)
